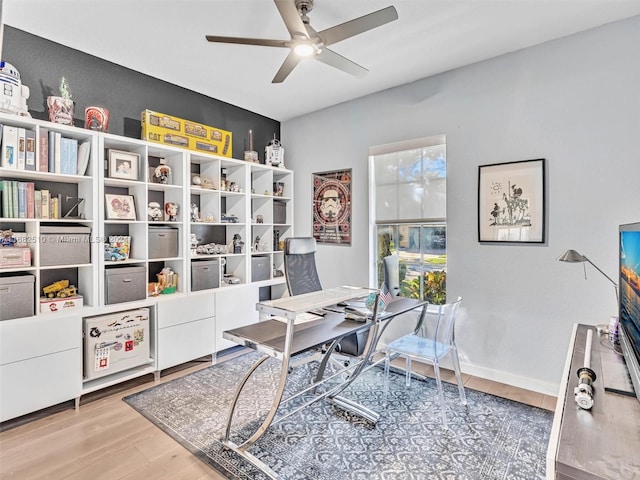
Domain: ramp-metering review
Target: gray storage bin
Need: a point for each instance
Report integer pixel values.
(260, 268)
(205, 274)
(64, 245)
(163, 242)
(17, 296)
(279, 212)
(125, 284)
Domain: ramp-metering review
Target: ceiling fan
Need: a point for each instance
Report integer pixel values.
(306, 42)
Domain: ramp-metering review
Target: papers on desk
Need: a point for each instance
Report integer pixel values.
(303, 317)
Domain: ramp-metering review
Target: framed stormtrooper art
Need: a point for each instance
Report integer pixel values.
(332, 207)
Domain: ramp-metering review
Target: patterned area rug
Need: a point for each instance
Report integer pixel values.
(491, 438)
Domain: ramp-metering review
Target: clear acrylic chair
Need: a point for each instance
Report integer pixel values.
(429, 348)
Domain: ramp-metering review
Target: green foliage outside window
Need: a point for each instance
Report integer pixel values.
(435, 287)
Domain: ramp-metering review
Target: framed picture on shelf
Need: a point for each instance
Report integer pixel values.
(123, 164)
(511, 202)
(119, 207)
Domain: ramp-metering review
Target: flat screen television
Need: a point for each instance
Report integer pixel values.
(629, 314)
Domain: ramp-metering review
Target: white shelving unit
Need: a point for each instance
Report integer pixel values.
(184, 325)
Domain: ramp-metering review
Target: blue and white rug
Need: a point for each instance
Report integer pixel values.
(491, 438)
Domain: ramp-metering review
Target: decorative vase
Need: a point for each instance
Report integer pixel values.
(60, 110)
(96, 118)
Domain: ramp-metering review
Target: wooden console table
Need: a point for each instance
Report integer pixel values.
(601, 443)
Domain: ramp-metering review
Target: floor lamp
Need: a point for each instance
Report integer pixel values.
(571, 256)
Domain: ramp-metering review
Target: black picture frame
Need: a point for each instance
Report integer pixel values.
(512, 202)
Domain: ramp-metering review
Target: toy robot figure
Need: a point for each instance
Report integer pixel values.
(13, 95)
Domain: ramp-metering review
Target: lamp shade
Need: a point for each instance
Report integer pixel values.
(572, 256)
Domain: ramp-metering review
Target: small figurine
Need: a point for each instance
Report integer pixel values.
(171, 211)
(195, 214)
(210, 218)
(274, 153)
(256, 244)
(163, 174)
(7, 239)
(193, 240)
(154, 212)
(259, 219)
(237, 243)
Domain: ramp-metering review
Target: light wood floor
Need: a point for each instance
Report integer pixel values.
(106, 439)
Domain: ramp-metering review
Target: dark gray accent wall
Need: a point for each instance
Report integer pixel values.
(125, 92)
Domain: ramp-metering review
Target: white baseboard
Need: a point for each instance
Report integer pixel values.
(547, 388)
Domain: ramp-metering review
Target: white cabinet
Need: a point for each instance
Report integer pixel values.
(235, 307)
(40, 363)
(185, 329)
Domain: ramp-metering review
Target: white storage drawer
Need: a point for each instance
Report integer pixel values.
(182, 343)
(178, 310)
(39, 382)
(25, 338)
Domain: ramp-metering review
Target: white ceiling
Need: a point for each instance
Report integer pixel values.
(165, 39)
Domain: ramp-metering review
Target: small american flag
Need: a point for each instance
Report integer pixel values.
(385, 296)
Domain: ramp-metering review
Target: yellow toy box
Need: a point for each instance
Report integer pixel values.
(168, 130)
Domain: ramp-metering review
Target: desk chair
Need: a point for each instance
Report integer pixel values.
(430, 349)
(302, 277)
(392, 273)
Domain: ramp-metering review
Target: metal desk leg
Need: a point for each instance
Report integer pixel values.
(284, 369)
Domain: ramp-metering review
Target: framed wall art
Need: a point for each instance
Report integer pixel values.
(511, 202)
(332, 207)
(123, 164)
(119, 207)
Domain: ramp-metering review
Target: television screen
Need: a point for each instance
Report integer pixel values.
(630, 300)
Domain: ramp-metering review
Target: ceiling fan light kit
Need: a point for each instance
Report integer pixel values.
(305, 42)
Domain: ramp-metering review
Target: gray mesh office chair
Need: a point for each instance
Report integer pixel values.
(302, 277)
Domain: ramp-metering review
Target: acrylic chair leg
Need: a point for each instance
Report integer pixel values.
(456, 367)
(387, 360)
(436, 370)
(407, 381)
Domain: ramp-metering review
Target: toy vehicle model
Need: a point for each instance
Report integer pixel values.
(229, 218)
(67, 292)
(60, 289)
(114, 254)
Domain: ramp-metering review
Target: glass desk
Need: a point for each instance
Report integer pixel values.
(297, 330)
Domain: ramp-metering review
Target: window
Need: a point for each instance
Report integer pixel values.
(408, 214)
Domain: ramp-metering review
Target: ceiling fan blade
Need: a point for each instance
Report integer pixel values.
(291, 18)
(358, 25)
(287, 66)
(338, 61)
(264, 42)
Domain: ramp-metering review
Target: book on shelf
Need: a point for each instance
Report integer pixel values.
(4, 198)
(37, 202)
(73, 157)
(30, 150)
(53, 207)
(84, 149)
(31, 200)
(14, 199)
(43, 150)
(52, 151)
(57, 152)
(22, 199)
(9, 146)
(22, 147)
(46, 203)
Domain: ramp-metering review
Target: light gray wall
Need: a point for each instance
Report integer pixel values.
(575, 102)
